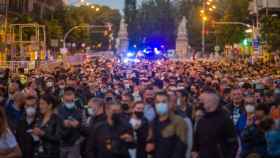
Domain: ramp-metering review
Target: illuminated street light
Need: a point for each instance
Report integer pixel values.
(97, 9)
(249, 30)
(92, 7)
(214, 7)
(202, 11)
(205, 18)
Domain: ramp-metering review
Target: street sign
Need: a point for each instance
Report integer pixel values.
(256, 45)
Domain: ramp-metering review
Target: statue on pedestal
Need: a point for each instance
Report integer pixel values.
(122, 40)
(182, 40)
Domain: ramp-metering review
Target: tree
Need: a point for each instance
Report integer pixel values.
(270, 32)
(130, 13)
(156, 24)
(231, 10)
(85, 15)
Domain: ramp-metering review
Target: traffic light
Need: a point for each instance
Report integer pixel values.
(245, 42)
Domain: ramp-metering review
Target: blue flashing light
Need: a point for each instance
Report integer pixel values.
(125, 60)
(137, 60)
(145, 51)
(157, 52)
(130, 54)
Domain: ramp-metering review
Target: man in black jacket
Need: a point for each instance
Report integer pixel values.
(70, 117)
(111, 138)
(215, 136)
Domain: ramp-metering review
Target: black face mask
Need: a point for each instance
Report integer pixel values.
(150, 100)
(139, 114)
(116, 117)
(125, 107)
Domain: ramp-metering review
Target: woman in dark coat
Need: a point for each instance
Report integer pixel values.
(46, 129)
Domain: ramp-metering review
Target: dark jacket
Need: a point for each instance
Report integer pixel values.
(68, 135)
(253, 141)
(25, 139)
(13, 115)
(88, 128)
(142, 138)
(48, 146)
(170, 137)
(105, 142)
(215, 136)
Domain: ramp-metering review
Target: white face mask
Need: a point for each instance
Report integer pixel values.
(49, 84)
(135, 123)
(62, 86)
(30, 111)
(249, 108)
(127, 86)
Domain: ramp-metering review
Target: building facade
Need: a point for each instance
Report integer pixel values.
(28, 6)
(264, 6)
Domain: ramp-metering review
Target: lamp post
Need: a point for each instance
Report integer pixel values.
(6, 19)
(82, 26)
(204, 18)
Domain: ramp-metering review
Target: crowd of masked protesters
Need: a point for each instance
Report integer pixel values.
(164, 109)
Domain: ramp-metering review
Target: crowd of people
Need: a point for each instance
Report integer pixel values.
(160, 109)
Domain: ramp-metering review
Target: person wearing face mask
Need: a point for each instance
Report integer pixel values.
(96, 111)
(50, 85)
(46, 129)
(142, 131)
(111, 138)
(96, 115)
(24, 137)
(70, 117)
(170, 130)
(126, 103)
(59, 91)
(183, 108)
(252, 131)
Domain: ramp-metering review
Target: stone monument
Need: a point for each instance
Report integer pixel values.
(182, 40)
(122, 41)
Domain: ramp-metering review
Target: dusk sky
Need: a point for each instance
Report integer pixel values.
(117, 4)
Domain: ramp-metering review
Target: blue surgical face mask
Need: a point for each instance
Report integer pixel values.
(70, 105)
(162, 108)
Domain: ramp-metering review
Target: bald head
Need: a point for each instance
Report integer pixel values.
(210, 101)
